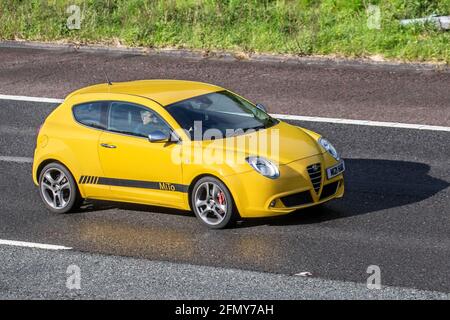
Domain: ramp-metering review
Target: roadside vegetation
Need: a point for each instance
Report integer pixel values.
(302, 27)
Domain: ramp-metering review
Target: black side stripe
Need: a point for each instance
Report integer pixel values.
(88, 180)
(143, 184)
(134, 183)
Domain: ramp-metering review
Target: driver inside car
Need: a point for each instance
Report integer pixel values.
(149, 123)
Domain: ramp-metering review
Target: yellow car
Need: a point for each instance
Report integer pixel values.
(181, 144)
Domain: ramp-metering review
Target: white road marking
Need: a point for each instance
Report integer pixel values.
(18, 131)
(33, 245)
(31, 99)
(16, 159)
(362, 122)
(282, 117)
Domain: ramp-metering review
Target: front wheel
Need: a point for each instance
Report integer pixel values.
(212, 203)
(58, 189)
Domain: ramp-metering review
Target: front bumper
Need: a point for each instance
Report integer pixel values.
(258, 196)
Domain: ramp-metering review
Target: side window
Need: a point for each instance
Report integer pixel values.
(134, 120)
(90, 114)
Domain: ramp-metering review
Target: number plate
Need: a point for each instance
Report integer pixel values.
(335, 170)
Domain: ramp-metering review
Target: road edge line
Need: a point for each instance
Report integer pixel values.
(283, 117)
(33, 245)
(362, 122)
(30, 99)
(16, 159)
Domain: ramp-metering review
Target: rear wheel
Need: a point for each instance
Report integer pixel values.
(212, 203)
(58, 189)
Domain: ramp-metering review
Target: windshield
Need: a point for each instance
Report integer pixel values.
(220, 112)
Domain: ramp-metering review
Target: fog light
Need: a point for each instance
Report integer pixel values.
(272, 204)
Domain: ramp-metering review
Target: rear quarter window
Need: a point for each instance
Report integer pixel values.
(90, 114)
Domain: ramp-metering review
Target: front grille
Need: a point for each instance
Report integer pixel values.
(329, 189)
(315, 174)
(297, 199)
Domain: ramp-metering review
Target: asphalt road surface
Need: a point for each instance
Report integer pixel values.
(395, 213)
(329, 90)
(41, 274)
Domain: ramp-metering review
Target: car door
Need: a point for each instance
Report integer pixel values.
(135, 168)
(83, 137)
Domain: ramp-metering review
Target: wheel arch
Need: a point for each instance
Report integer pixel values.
(42, 165)
(203, 175)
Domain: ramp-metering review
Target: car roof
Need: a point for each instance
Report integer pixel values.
(164, 92)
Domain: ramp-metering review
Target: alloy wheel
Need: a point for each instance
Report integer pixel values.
(211, 203)
(55, 188)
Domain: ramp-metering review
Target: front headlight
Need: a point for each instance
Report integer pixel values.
(265, 167)
(329, 147)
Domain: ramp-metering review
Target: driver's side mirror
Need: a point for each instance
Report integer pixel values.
(158, 136)
(261, 107)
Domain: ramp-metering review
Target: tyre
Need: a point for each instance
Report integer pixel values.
(58, 189)
(213, 204)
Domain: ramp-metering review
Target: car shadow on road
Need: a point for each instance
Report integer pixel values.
(371, 185)
(101, 205)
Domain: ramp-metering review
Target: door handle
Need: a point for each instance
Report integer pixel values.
(109, 146)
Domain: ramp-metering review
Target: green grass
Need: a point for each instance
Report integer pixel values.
(302, 27)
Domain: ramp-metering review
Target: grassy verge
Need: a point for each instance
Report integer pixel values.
(302, 27)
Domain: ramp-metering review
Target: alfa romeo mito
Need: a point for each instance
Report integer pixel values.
(181, 144)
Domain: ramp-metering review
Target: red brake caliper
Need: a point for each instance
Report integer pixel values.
(221, 198)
